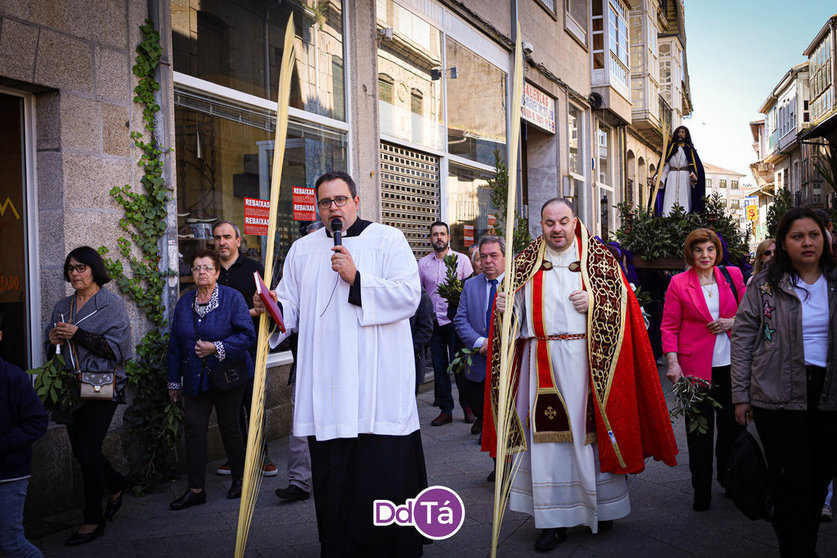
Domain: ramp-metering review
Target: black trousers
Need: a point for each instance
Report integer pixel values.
(800, 451)
(700, 445)
(196, 420)
(474, 395)
(348, 474)
(444, 344)
(87, 433)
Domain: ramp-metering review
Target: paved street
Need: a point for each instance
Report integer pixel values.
(662, 523)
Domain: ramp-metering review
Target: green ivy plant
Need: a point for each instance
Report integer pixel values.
(55, 385)
(152, 420)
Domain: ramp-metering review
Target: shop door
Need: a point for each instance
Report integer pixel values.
(410, 193)
(14, 347)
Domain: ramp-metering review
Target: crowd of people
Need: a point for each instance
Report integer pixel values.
(762, 345)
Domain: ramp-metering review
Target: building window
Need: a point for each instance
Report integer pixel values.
(733, 184)
(598, 36)
(469, 202)
(239, 45)
(618, 35)
(476, 102)
(221, 160)
(734, 204)
(603, 153)
(575, 12)
(722, 183)
(385, 84)
(575, 123)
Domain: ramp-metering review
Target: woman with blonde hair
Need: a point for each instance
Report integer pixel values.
(764, 255)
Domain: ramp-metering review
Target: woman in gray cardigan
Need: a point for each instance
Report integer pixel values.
(784, 378)
(92, 327)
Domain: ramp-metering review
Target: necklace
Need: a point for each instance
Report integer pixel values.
(708, 291)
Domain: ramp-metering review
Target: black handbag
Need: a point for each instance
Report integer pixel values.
(748, 481)
(228, 375)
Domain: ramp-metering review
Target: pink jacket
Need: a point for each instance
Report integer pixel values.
(685, 315)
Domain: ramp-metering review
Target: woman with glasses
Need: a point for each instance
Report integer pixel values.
(764, 255)
(211, 331)
(698, 315)
(783, 375)
(92, 330)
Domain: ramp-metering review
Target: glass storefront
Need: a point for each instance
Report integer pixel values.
(476, 105)
(14, 347)
(409, 78)
(221, 161)
(239, 43)
(469, 203)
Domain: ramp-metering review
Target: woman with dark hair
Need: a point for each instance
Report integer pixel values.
(211, 332)
(92, 326)
(698, 314)
(783, 375)
(683, 180)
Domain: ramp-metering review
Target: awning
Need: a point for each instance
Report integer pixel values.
(822, 129)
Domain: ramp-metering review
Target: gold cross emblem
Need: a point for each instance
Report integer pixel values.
(550, 413)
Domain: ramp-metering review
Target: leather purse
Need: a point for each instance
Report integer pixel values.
(97, 386)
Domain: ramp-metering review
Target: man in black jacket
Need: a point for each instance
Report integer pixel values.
(22, 421)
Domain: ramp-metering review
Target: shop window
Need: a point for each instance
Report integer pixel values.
(238, 44)
(476, 105)
(469, 203)
(411, 109)
(220, 161)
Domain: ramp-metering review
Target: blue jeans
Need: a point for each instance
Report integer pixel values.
(12, 540)
(443, 347)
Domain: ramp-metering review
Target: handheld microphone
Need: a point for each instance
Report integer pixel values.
(336, 230)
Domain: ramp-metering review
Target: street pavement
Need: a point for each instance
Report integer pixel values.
(661, 523)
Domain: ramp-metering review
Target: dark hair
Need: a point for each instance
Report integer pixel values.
(699, 236)
(207, 253)
(823, 216)
(688, 135)
(1, 320)
(492, 239)
(559, 201)
(781, 263)
(90, 257)
(440, 224)
(230, 223)
(335, 175)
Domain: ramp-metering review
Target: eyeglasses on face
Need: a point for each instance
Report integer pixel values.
(80, 268)
(206, 268)
(339, 201)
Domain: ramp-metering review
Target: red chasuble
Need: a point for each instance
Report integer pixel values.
(631, 420)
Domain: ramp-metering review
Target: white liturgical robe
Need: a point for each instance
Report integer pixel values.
(560, 484)
(678, 185)
(355, 368)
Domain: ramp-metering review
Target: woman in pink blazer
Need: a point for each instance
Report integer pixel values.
(698, 315)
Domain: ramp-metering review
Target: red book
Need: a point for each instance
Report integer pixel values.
(272, 308)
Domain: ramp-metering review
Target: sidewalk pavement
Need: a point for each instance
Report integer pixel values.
(661, 523)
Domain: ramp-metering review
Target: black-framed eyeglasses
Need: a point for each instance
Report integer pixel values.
(80, 268)
(339, 201)
(199, 268)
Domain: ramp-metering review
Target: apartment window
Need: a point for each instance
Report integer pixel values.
(722, 183)
(734, 204)
(548, 4)
(603, 153)
(575, 13)
(618, 34)
(575, 122)
(733, 184)
(385, 84)
(598, 36)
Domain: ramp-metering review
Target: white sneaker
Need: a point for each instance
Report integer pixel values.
(826, 514)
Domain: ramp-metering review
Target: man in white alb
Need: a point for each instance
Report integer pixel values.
(351, 305)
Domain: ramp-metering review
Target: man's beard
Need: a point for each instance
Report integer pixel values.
(442, 248)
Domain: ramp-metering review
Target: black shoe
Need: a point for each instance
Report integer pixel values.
(476, 428)
(605, 526)
(188, 500)
(550, 538)
(492, 476)
(84, 538)
(113, 505)
(235, 489)
(701, 503)
(292, 493)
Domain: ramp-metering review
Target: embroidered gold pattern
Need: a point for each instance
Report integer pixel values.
(550, 413)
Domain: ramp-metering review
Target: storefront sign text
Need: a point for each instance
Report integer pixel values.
(304, 204)
(256, 215)
(538, 108)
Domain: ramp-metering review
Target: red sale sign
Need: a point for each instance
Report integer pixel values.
(305, 204)
(256, 214)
